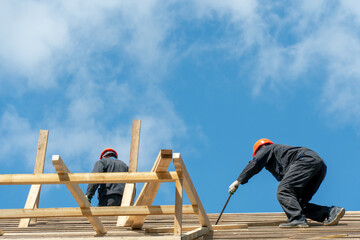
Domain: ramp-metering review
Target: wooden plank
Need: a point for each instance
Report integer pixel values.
(190, 228)
(149, 190)
(129, 191)
(78, 194)
(195, 233)
(191, 191)
(94, 211)
(34, 193)
(178, 207)
(77, 178)
(331, 236)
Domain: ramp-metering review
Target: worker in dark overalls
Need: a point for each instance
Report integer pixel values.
(109, 194)
(300, 172)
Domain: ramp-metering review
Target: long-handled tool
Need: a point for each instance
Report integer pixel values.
(223, 209)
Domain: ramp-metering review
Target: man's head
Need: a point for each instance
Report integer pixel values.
(108, 152)
(260, 143)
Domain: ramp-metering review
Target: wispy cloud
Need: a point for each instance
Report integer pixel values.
(103, 64)
(284, 42)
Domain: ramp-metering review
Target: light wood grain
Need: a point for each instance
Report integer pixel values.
(149, 190)
(78, 194)
(191, 191)
(129, 191)
(77, 178)
(34, 193)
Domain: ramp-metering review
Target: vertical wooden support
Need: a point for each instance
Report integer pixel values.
(77, 193)
(1, 233)
(34, 193)
(129, 191)
(178, 207)
(149, 190)
(191, 191)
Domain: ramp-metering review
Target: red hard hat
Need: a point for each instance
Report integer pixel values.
(260, 143)
(108, 150)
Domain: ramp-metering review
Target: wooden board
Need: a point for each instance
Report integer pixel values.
(80, 228)
(191, 191)
(109, 177)
(129, 191)
(95, 211)
(78, 194)
(34, 193)
(149, 190)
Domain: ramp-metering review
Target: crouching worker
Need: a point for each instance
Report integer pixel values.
(109, 194)
(300, 172)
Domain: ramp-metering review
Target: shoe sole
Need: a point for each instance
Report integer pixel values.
(337, 219)
(296, 226)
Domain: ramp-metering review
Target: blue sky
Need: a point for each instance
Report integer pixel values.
(207, 79)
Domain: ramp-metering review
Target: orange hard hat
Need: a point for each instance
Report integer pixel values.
(259, 143)
(108, 150)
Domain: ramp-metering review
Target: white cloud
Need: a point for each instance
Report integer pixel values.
(18, 140)
(289, 41)
(64, 46)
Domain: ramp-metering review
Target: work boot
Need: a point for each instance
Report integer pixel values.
(295, 224)
(335, 214)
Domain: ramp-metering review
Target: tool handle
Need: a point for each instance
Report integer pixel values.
(217, 221)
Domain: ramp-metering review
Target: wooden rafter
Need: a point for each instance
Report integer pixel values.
(191, 191)
(34, 193)
(129, 191)
(77, 193)
(149, 190)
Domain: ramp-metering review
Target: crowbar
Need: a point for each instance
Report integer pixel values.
(223, 209)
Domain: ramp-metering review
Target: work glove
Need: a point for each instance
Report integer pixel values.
(88, 198)
(233, 187)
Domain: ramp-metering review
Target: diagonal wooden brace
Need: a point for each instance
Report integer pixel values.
(34, 193)
(191, 191)
(149, 190)
(77, 193)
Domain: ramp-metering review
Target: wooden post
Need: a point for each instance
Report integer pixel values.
(178, 207)
(129, 191)
(34, 193)
(149, 190)
(77, 193)
(191, 191)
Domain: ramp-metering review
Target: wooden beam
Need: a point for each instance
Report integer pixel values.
(149, 190)
(178, 207)
(129, 191)
(1, 233)
(94, 211)
(190, 228)
(191, 191)
(78, 194)
(195, 233)
(77, 178)
(34, 193)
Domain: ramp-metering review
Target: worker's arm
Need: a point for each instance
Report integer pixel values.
(252, 168)
(91, 189)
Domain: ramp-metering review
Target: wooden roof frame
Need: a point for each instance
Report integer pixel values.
(142, 207)
(129, 213)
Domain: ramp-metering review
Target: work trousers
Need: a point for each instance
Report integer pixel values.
(299, 184)
(110, 200)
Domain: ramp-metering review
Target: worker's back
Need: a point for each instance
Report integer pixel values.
(109, 164)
